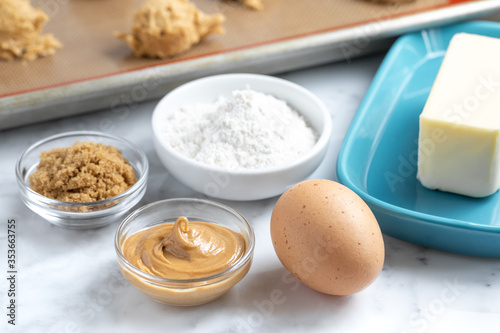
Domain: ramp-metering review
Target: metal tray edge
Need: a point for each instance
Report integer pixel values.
(123, 91)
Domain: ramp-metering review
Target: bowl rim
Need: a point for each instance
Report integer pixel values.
(318, 147)
(141, 181)
(193, 282)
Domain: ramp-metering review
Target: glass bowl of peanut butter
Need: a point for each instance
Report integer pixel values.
(184, 251)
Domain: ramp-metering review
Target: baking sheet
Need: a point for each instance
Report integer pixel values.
(96, 70)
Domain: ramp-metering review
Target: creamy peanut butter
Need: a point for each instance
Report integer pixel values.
(184, 250)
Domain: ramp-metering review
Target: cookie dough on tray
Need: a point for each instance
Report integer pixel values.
(391, 1)
(20, 32)
(254, 4)
(163, 28)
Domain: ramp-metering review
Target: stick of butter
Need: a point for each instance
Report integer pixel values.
(458, 145)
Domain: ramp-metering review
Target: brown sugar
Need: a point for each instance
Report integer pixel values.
(83, 172)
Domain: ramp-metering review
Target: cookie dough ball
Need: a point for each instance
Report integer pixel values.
(392, 1)
(254, 4)
(20, 31)
(163, 28)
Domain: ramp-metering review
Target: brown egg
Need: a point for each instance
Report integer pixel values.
(327, 237)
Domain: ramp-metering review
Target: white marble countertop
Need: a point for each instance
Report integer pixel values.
(68, 280)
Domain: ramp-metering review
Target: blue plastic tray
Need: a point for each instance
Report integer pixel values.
(378, 159)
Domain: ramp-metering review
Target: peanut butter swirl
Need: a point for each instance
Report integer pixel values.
(184, 250)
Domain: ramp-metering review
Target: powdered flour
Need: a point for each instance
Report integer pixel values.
(249, 130)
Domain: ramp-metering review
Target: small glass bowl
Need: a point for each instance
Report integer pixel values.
(185, 292)
(81, 215)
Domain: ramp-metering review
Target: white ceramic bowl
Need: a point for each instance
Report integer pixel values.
(244, 184)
